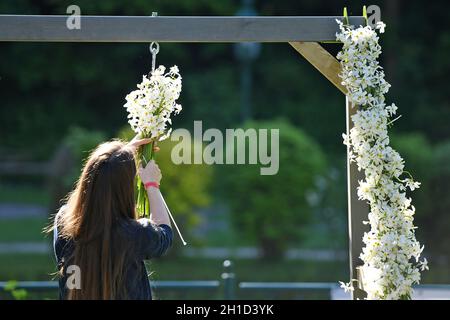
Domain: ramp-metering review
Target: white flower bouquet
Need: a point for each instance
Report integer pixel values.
(150, 108)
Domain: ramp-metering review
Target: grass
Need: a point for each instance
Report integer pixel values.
(22, 230)
(182, 268)
(26, 267)
(24, 193)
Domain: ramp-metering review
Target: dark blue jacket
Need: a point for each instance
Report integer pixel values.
(147, 241)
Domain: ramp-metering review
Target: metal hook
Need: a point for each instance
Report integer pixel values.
(154, 48)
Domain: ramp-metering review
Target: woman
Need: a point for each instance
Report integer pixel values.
(97, 236)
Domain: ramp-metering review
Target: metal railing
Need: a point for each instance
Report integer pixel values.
(289, 287)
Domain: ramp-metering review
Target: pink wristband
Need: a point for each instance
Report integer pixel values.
(151, 184)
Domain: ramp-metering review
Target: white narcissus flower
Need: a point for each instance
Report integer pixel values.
(346, 286)
(424, 265)
(389, 270)
(150, 106)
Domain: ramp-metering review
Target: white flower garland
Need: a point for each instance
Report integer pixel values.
(389, 270)
(151, 105)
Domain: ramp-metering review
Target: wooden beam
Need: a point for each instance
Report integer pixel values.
(170, 29)
(357, 210)
(322, 60)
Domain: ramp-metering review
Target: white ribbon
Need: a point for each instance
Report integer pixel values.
(173, 220)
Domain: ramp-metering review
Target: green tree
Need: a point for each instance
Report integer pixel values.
(431, 166)
(80, 142)
(418, 154)
(68, 161)
(438, 218)
(273, 209)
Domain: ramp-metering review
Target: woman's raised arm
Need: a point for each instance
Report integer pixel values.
(151, 177)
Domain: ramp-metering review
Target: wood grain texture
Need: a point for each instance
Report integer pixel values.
(357, 210)
(49, 28)
(322, 60)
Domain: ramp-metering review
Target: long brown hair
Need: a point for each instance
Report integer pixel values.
(102, 198)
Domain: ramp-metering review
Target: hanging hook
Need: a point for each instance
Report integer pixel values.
(154, 48)
(346, 16)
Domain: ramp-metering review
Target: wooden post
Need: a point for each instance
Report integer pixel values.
(326, 64)
(357, 210)
(322, 60)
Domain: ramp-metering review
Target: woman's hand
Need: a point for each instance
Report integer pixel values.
(151, 173)
(138, 141)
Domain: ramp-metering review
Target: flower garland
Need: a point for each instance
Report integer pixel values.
(391, 253)
(149, 113)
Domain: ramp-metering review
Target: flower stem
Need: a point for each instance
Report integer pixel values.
(143, 205)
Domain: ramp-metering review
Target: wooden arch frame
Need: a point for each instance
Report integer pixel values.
(302, 33)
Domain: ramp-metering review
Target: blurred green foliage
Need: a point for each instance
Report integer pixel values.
(46, 87)
(437, 217)
(17, 294)
(80, 142)
(273, 209)
(430, 165)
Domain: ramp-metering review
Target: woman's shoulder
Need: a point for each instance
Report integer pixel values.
(58, 223)
(145, 223)
(137, 227)
(153, 239)
(62, 245)
(60, 213)
(128, 227)
(134, 225)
